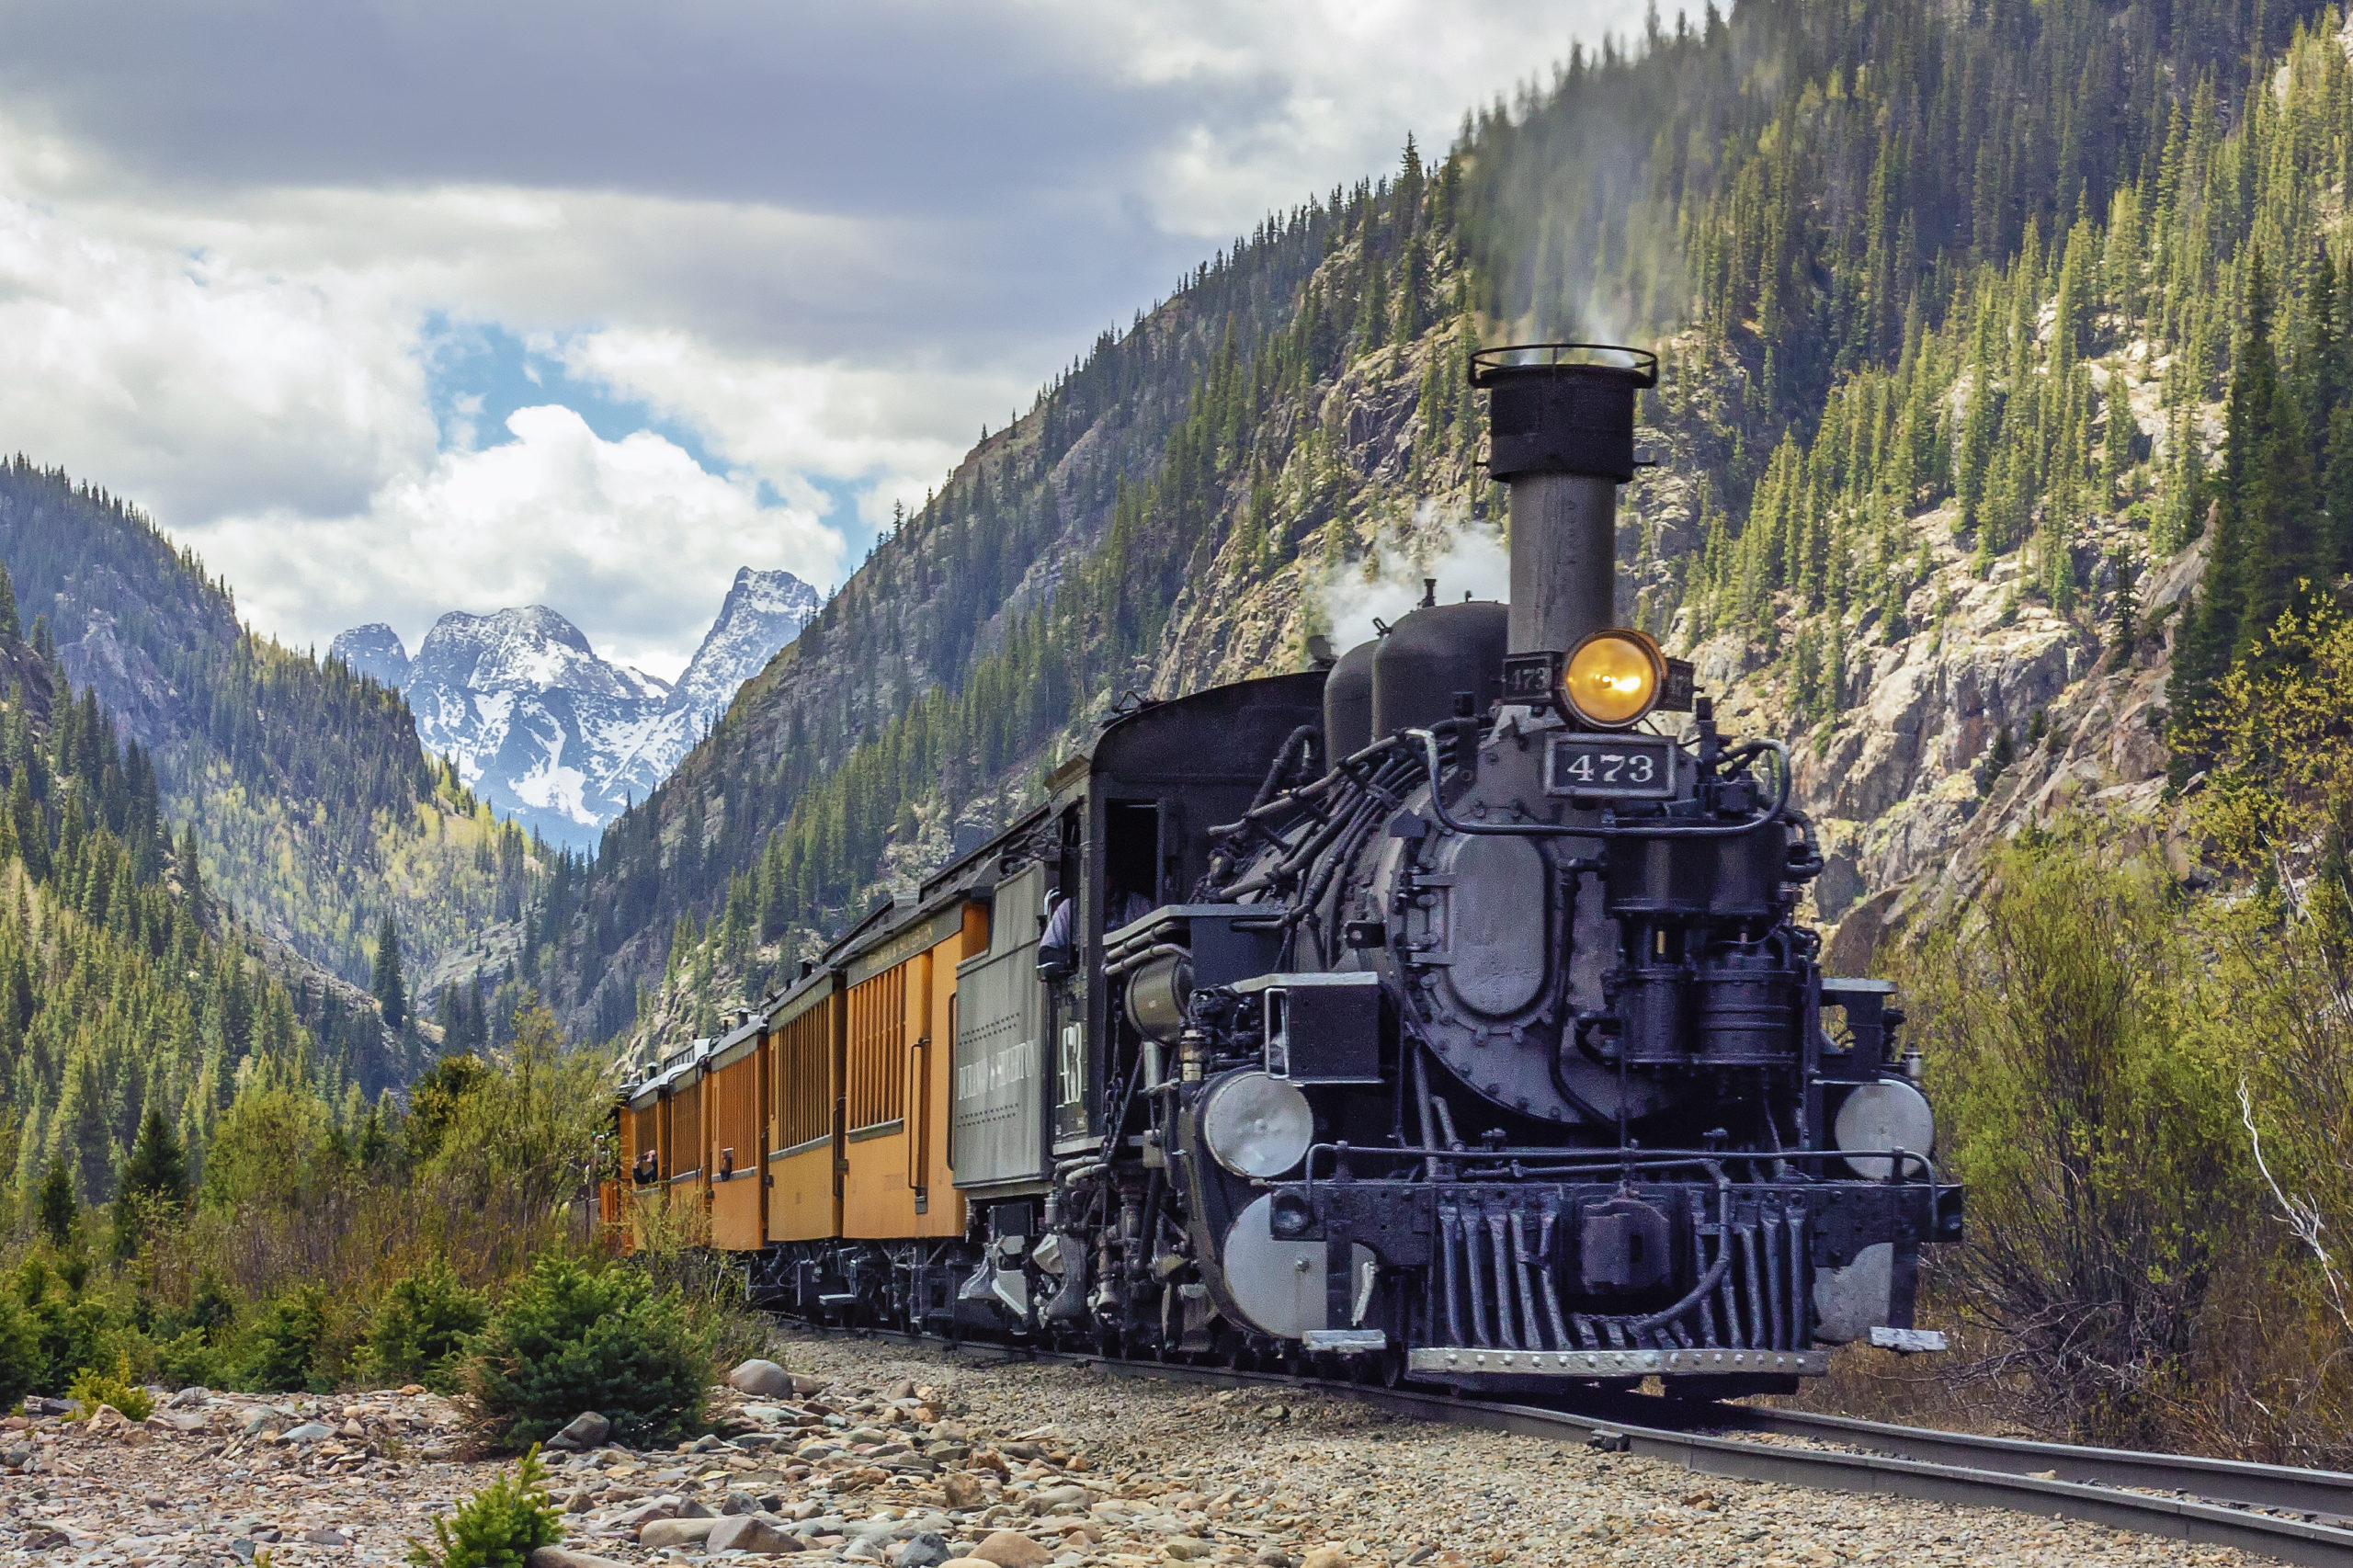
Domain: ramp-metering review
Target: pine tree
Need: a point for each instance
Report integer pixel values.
(2124, 615)
(57, 1210)
(191, 870)
(153, 1175)
(390, 988)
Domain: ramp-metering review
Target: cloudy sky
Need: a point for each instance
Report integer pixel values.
(392, 309)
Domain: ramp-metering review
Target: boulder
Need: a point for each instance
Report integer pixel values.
(964, 1489)
(309, 1432)
(325, 1536)
(762, 1533)
(1011, 1548)
(926, 1549)
(1185, 1548)
(761, 1380)
(1325, 1557)
(660, 1533)
(804, 1385)
(586, 1430)
(108, 1421)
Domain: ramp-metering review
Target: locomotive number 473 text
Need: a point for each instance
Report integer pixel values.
(1638, 767)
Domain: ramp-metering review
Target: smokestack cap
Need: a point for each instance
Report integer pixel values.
(1562, 407)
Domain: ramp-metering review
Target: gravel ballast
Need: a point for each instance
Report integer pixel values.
(877, 1451)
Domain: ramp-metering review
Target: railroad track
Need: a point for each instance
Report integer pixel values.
(2293, 1515)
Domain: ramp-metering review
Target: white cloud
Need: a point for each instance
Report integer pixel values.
(828, 243)
(189, 380)
(610, 533)
(883, 426)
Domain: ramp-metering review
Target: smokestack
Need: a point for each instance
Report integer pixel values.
(1561, 422)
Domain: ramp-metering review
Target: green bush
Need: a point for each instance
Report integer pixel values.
(419, 1331)
(283, 1353)
(497, 1527)
(92, 1387)
(2087, 1097)
(569, 1339)
(20, 1352)
(69, 1331)
(190, 1360)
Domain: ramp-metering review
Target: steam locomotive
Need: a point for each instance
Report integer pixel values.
(1440, 1014)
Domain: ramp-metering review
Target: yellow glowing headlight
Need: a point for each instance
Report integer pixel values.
(1613, 677)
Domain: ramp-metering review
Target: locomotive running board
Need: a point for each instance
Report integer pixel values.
(1442, 1362)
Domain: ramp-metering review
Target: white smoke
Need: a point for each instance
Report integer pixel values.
(1385, 584)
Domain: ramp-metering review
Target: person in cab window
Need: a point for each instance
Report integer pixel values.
(1055, 947)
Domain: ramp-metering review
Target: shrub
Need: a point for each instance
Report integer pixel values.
(419, 1330)
(497, 1527)
(68, 1332)
(93, 1388)
(189, 1361)
(19, 1353)
(569, 1339)
(283, 1354)
(2089, 1111)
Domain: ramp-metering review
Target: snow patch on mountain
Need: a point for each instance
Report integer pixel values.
(545, 730)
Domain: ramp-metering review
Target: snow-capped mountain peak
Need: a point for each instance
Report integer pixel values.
(546, 730)
(373, 650)
(762, 612)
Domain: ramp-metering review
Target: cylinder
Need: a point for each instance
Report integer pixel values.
(1160, 996)
(1347, 704)
(1564, 558)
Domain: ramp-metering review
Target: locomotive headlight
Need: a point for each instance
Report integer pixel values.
(1613, 677)
(1258, 1125)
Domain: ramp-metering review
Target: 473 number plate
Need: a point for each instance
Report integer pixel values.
(1623, 767)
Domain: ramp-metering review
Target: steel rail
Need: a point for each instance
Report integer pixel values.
(2056, 1479)
(2322, 1492)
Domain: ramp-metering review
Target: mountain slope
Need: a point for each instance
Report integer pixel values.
(315, 809)
(554, 736)
(1946, 300)
(124, 986)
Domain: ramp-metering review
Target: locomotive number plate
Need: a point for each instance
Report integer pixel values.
(1623, 767)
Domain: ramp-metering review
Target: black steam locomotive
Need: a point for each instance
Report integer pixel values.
(1435, 1011)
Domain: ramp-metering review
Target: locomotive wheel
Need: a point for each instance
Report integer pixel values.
(1393, 1366)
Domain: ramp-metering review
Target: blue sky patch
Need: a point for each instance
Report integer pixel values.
(477, 373)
